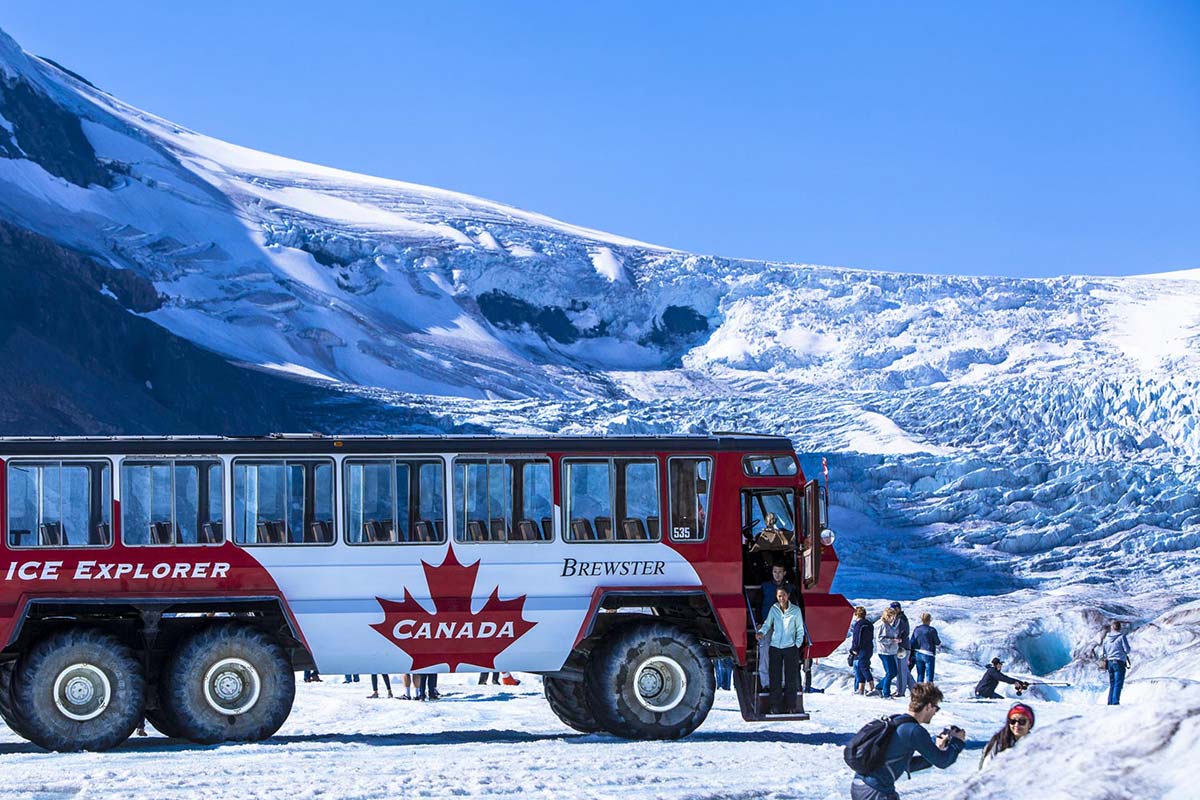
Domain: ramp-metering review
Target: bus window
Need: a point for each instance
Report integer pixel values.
(763, 506)
(279, 502)
(537, 501)
(502, 500)
(769, 465)
(166, 502)
(613, 499)
(59, 504)
(688, 480)
(394, 502)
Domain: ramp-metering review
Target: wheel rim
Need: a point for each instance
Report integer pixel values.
(82, 692)
(232, 686)
(660, 683)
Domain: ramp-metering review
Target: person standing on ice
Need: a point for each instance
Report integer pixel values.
(778, 578)
(889, 646)
(910, 747)
(924, 643)
(904, 677)
(862, 645)
(1116, 654)
(387, 681)
(1018, 724)
(993, 677)
(785, 626)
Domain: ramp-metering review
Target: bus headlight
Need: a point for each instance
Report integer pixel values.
(827, 537)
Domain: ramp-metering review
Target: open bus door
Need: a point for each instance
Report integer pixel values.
(812, 512)
(771, 530)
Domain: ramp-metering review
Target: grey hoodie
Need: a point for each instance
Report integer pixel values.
(1116, 646)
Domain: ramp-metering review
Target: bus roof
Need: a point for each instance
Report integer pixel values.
(309, 443)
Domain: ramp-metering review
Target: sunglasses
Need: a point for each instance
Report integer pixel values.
(1020, 722)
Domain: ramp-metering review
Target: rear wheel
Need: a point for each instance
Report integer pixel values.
(650, 681)
(227, 683)
(78, 689)
(568, 700)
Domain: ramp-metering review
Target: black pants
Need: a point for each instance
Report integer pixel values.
(387, 681)
(785, 674)
(483, 677)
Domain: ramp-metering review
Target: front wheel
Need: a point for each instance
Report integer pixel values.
(78, 689)
(650, 681)
(228, 683)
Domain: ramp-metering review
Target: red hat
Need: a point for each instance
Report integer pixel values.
(1022, 710)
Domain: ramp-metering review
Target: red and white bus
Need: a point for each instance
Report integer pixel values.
(186, 579)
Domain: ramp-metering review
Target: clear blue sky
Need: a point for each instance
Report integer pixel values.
(1022, 138)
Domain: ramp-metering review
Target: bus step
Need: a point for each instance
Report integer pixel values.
(794, 716)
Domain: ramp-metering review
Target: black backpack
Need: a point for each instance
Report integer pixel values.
(865, 752)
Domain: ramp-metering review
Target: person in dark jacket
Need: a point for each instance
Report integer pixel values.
(993, 677)
(911, 748)
(1116, 653)
(1017, 724)
(904, 678)
(778, 578)
(862, 646)
(924, 644)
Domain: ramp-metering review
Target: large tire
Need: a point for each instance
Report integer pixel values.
(227, 683)
(7, 710)
(568, 700)
(78, 689)
(650, 681)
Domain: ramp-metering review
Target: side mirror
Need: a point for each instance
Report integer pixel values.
(828, 537)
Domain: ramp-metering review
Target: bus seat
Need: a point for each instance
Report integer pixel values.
(499, 530)
(51, 533)
(652, 525)
(20, 537)
(423, 531)
(99, 535)
(547, 529)
(319, 532)
(604, 528)
(162, 533)
(527, 531)
(632, 528)
(476, 530)
(439, 525)
(581, 530)
(373, 531)
(211, 533)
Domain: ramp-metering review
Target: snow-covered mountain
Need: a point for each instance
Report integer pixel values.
(1037, 441)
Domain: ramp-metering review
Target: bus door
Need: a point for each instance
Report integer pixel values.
(812, 512)
(769, 538)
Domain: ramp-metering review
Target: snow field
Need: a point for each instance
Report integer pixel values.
(499, 742)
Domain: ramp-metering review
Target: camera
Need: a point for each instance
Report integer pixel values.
(950, 730)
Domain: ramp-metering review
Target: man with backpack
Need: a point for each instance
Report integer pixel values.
(885, 748)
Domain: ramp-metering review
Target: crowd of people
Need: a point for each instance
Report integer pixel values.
(417, 686)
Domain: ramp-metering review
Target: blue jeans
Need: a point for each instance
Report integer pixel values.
(862, 670)
(1116, 680)
(724, 670)
(890, 667)
(924, 667)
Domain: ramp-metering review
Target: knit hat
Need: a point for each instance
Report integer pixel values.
(895, 604)
(1021, 710)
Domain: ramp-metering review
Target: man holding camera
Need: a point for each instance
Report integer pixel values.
(911, 748)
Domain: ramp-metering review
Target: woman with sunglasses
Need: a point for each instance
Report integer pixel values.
(1019, 723)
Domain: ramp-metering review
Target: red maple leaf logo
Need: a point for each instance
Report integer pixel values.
(452, 634)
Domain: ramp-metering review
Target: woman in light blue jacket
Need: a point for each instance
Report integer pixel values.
(785, 625)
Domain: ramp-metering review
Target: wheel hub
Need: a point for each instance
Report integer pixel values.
(660, 683)
(82, 691)
(232, 686)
